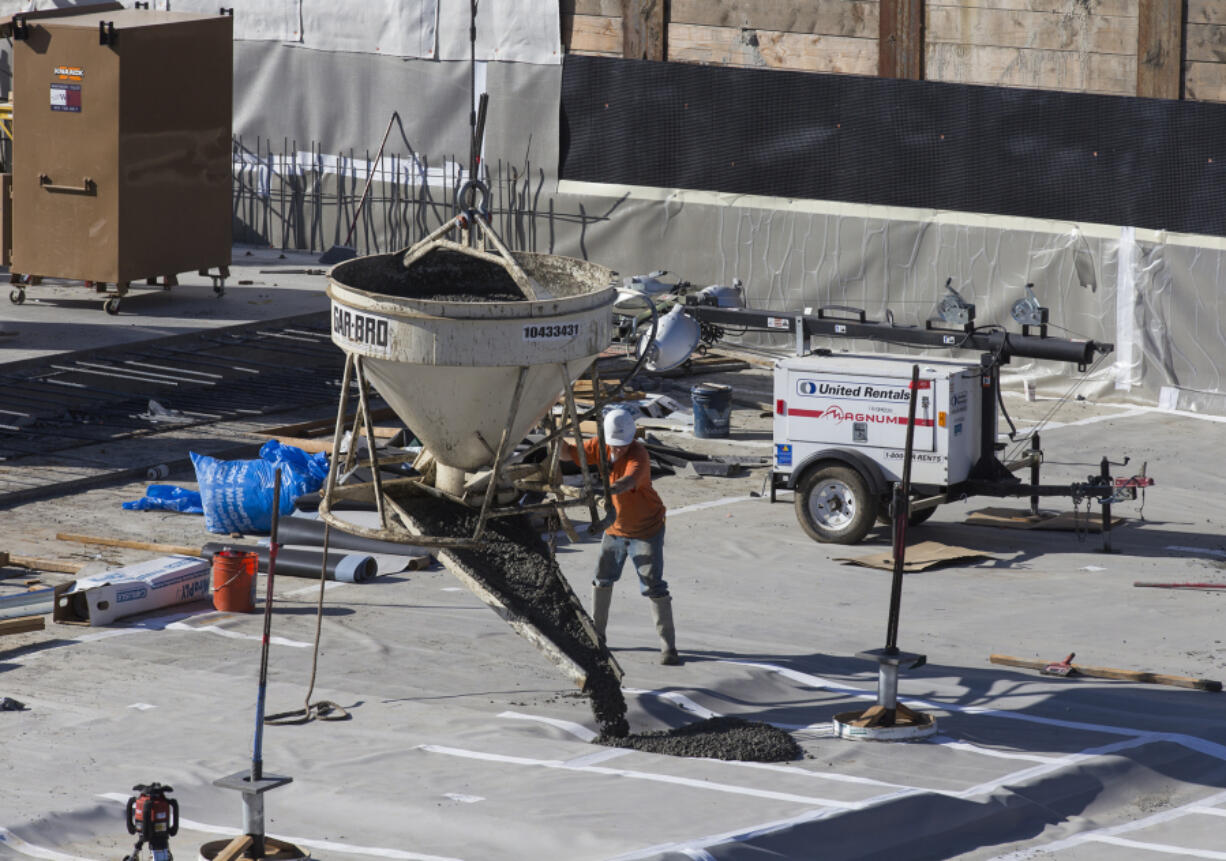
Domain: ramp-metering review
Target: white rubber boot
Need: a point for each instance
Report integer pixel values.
(662, 609)
(602, 597)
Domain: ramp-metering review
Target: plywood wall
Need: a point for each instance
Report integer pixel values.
(1205, 55)
(1083, 45)
(1080, 45)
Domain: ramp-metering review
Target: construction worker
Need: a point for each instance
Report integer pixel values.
(636, 532)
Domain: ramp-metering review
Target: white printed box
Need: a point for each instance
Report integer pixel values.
(102, 598)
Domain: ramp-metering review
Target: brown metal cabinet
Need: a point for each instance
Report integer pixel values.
(121, 146)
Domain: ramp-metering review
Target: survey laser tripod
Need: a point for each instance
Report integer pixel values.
(155, 818)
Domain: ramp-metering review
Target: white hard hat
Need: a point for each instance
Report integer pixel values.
(618, 427)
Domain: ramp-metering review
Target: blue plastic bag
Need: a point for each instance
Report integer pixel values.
(167, 497)
(237, 495)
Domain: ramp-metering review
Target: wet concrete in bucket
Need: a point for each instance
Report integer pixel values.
(516, 564)
(442, 274)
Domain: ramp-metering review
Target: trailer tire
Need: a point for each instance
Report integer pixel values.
(834, 504)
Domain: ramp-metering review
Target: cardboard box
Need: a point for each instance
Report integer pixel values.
(102, 598)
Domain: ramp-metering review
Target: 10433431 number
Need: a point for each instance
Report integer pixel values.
(549, 331)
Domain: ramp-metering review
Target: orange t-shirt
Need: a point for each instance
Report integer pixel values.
(640, 512)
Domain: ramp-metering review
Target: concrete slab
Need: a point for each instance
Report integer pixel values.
(466, 743)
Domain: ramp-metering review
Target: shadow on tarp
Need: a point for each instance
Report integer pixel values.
(1072, 716)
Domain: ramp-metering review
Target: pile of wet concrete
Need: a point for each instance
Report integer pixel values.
(442, 274)
(515, 563)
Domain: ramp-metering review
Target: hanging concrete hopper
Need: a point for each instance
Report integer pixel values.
(471, 349)
(445, 338)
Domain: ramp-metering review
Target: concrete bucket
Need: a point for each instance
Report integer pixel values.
(471, 349)
(461, 349)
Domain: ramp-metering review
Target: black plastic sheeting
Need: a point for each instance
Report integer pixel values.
(345, 566)
(1151, 163)
(303, 530)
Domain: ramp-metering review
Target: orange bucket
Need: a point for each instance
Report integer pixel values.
(234, 580)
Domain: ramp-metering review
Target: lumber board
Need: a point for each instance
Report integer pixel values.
(62, 566)
(643, 29)
(900, 39)
(326, 427)
(234, 848)
(1206, 12)
(1039, 31)
(22, 625)
(1160, 49)
(1111, 74)
(607, 8)
(731, 46)
(828, 18)
(592, 34)
(1066, 7)
(128, 543)
(1111, 673)
(1204, 82)
(1206, 43)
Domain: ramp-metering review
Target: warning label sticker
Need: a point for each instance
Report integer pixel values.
(69, 73)
(66, 97)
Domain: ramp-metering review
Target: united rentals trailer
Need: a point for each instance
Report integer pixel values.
(841, 418)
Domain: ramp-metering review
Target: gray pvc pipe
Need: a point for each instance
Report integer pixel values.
(302, 530)
(342, 567)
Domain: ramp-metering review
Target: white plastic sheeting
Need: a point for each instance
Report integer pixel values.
(520, 31)
(398, 28)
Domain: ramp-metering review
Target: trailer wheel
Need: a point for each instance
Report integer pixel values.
(834, 505)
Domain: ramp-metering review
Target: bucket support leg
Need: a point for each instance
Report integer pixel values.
(572, 416)
(501, 454)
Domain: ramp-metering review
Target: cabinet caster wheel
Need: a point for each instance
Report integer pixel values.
(17, 296)
(111, 306)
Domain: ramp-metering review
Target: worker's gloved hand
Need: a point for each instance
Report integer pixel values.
(606, 515)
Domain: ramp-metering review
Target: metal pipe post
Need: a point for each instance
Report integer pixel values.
(1105, 472)
(1034, 472)
(902, 499)
(887, 686)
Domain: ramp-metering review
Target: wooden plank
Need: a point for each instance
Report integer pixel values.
(1126, 8)
(607, 8)
(36, 564)
(732, 47)
(1205, 43)
(643, 29)
(828, 18)
(900, 39)
(1160, 49)
(22, 625)
(1206, 12)
(1043, 31)
(589, 34)
(1110, 673)
(234, 848)
(1113, 74)
(132, 545)
(1204, 82)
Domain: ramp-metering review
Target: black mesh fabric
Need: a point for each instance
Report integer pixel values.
(1151, 163)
